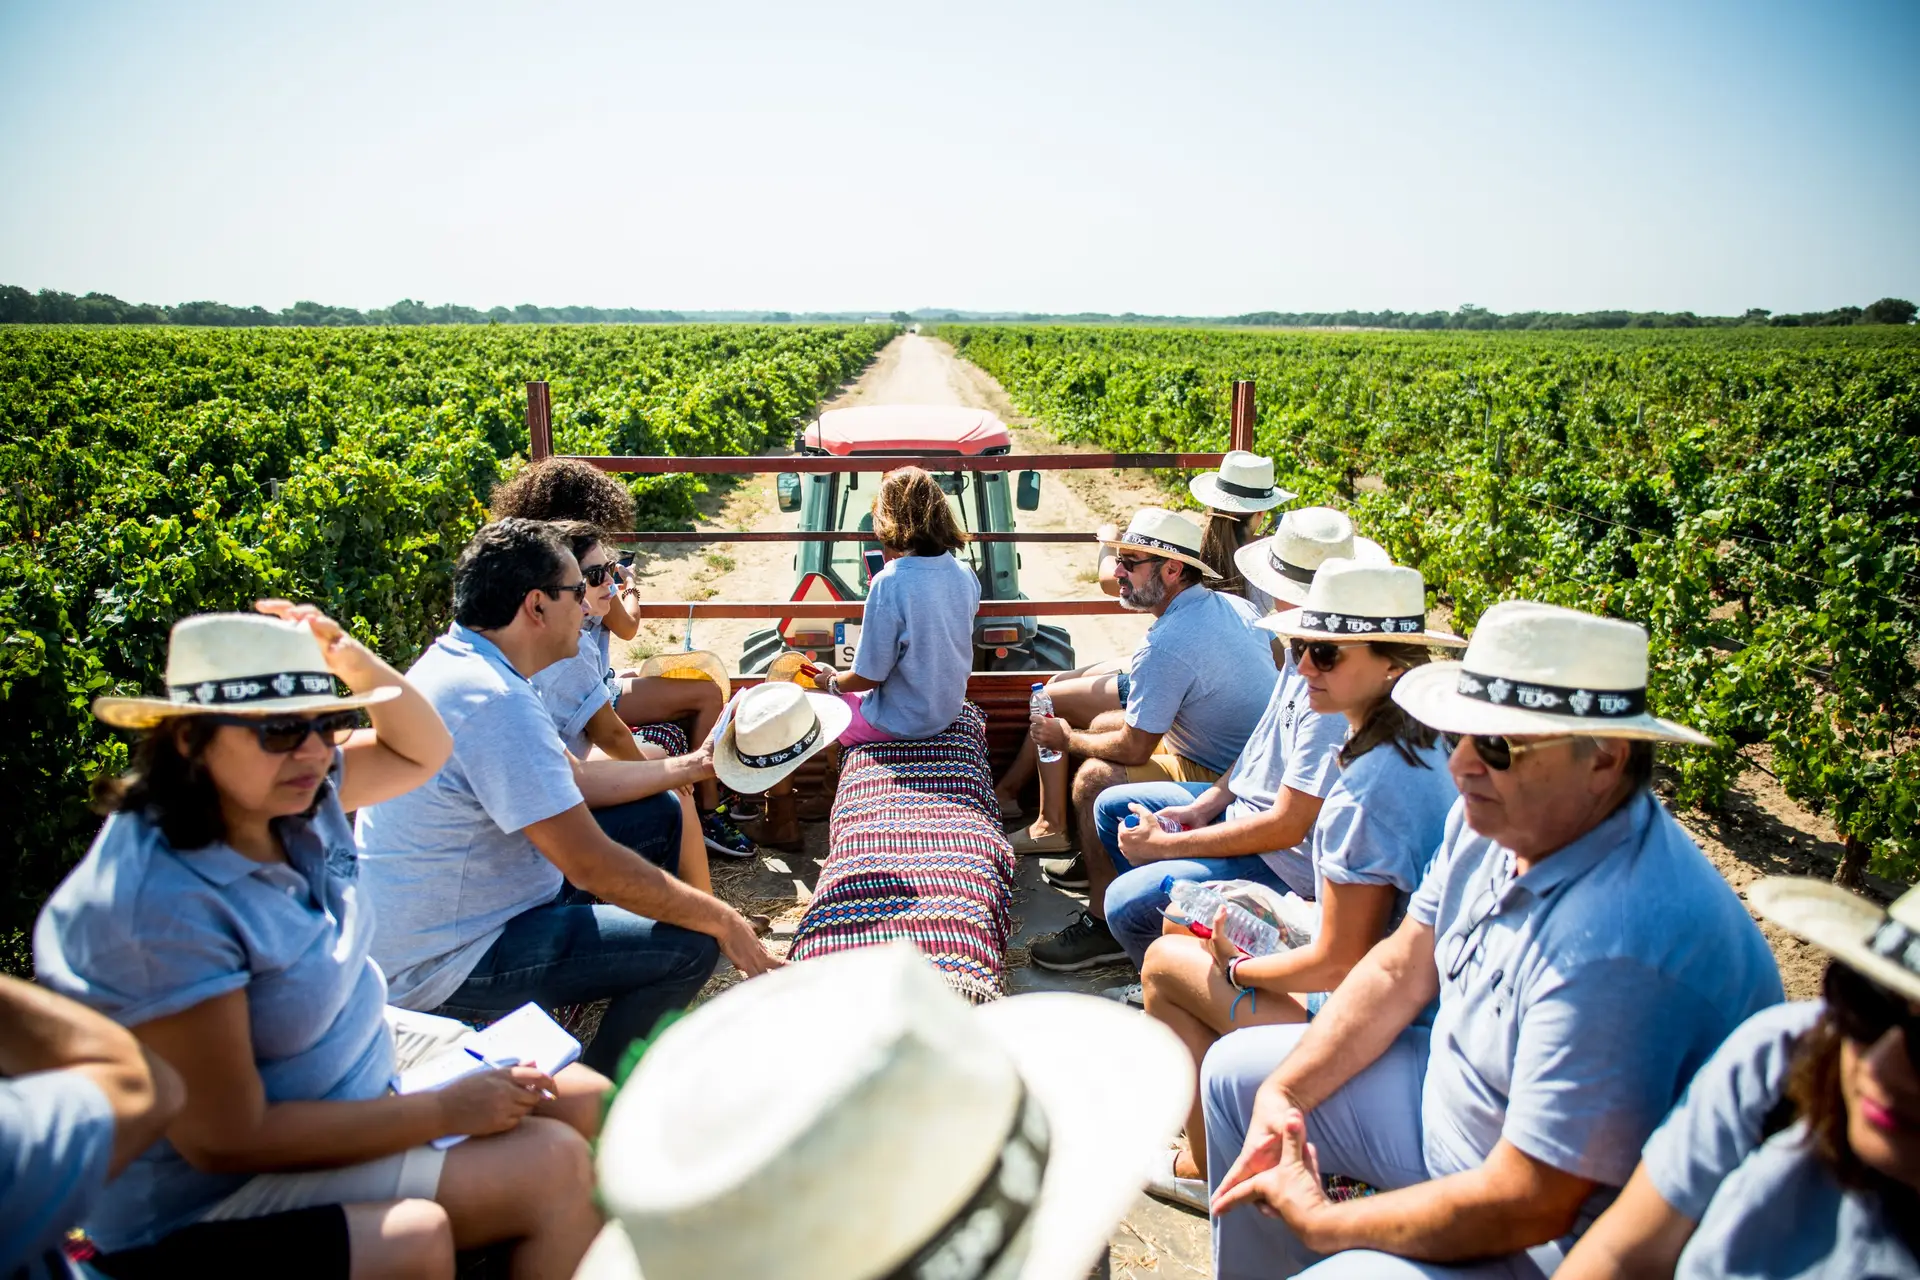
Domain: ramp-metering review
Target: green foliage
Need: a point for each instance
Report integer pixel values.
(1746, 494)
(148, 474)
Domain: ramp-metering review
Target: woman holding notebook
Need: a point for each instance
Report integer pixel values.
(217, 916)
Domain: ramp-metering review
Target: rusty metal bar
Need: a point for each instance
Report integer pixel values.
(854, 608)
(1245, 415)
(828, 535)
(539, 421)
(822, 463)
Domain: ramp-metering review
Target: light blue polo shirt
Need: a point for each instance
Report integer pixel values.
(1201, 677)
(1383, 821)
(916, 640)
(140, 931)
(56, 1143)
(574, 689)
(1766, 1206)
(1576, 1001)
(448, 863)
(1291, 745)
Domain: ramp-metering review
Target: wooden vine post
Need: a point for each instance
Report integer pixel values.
(539, 422)
(1240, 429)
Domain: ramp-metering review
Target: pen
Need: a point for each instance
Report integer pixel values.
(482, 1059)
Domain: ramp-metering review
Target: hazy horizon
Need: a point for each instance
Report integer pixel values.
(1065, 158)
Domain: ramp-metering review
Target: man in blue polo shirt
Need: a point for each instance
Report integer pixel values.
(1200, 682)
(494, 883)
(1587, 959)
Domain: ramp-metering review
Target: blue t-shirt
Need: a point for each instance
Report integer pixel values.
(917, 642)
(448, 863)
(140, 931)
(1201, 677)
(56, 1143)
(1294, 746)
(1577, 1000)
(1382, 822)
(574, 689)
(1766, 1206)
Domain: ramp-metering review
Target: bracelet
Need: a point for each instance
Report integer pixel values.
(833, 684)
(1233, 974)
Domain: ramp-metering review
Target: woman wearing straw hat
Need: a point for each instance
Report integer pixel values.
(219, 915)
(1362, 628)
(1796, 1151)
(1586, 956)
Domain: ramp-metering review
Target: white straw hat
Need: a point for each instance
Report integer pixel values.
(692, 664)
(239, 664)
(1881, 945)
(1283, 565)
(903, 1132)
(1168, 534)
(1243, 483)
(771, 730)
(1538, 668)
(1354, 600)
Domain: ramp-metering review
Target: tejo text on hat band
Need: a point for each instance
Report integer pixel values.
(1597, 704)
(285, 684)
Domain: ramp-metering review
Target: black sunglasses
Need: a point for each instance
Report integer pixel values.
(577, 590)
(1127, 564)
(283, 735)
(1325, 653)
(596, 575)
(1864, 1010)
(1498, 752)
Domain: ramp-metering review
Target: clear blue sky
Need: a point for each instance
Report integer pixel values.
(1187, 158)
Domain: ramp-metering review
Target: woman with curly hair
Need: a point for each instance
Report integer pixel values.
(1796, 1149)
(566, 489)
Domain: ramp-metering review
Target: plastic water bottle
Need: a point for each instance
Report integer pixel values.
(1166, 823)
(1194, 900)
(1040, 704)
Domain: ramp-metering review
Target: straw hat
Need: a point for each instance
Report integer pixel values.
(1354, 600)
(239, 664)
(1538, 668)
(1881, 945)
(1167, 534)
(1243, 483)
(911, 1134)
(1283, 565)
(787, 667)
(694, 664)
(771, 730)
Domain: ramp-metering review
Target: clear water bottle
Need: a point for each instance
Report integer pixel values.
(1166, 823)
(1040, 704)
(1245, 930)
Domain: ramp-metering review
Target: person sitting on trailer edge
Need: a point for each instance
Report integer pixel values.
(1200, 683)
(497, 882)
(1587, 959)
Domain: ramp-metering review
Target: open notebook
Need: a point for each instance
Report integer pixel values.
(526, 1037)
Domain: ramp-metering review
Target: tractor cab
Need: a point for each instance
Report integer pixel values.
(842, 503)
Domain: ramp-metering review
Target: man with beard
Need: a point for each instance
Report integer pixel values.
(1200, 681)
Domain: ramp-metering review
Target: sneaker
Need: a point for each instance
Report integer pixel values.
(1081, 945)
(722, 837)
(1132, 993)
(1066, 873)
(1187, 1193)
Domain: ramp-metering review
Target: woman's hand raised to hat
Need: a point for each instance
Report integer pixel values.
(356, 665)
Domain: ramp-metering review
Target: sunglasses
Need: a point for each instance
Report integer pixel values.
(282, 735)
(1127, 564)
(1325, 653)
(1864, 1010)
(1497, 751)
(596, 575)
(577, 590)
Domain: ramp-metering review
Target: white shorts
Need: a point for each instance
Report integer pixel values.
(413, 1174)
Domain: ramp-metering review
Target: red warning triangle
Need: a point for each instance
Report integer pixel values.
(814, 586)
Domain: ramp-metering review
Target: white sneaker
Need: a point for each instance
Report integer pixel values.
(1132, 993)
(1184, 1193)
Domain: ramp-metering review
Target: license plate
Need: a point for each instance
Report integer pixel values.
(846, 642)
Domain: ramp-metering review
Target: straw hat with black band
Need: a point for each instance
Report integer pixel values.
(1167, 534)
(1881, 945)
(1353, 600)
(916, 1137)
(1540, 669)
(239, 664)
(1283, 565)
(772, 729)
(1243, 484)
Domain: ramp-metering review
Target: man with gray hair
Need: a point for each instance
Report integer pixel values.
(1587, 959)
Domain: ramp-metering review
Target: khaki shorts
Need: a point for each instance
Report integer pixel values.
(406, 1175)
(1170, 768)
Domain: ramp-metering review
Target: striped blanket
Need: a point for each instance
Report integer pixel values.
(917, 853)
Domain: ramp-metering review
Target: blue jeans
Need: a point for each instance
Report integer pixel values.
(1136, 899)
(574, 950)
